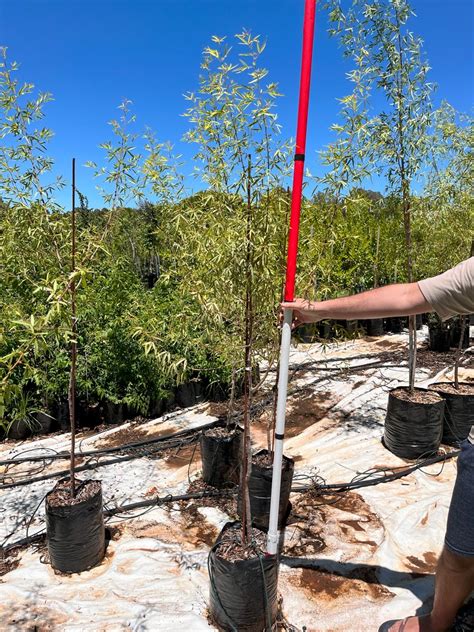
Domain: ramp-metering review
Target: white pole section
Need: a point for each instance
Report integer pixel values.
(272, 538)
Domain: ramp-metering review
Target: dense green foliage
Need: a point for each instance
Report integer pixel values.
(162, 278)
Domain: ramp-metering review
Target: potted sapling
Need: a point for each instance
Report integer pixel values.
(242, 232)
(259, 470)
(75, 530)
(395, 143)
(244, 579)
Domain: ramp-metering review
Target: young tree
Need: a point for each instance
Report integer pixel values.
(395, 143)
(229, 255)
(33, 249)
(24, 162)
(447, 200)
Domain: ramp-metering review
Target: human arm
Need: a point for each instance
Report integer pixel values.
(402, 299)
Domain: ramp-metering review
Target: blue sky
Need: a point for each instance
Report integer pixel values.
(91, 54)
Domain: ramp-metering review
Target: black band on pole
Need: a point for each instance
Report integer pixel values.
(299, 157)
(279, 436)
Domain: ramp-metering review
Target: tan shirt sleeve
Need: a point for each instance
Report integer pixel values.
(452, 292)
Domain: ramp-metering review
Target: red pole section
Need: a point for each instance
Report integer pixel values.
(298, 170)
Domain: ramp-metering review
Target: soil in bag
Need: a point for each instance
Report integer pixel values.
(220, 454)
(244, 582)
(414, 422)
(260, 490)
(458, 411)
(75, 526)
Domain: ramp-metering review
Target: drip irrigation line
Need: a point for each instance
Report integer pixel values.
(169, 498)
(312, 360)
(316, 486)
(358, 483)
(111, 450)
(190, 463)
(354, 484)
(256, 408)
(220, 422)
(179, 439)
(346, 370)
(139, 453)
(351, 367)
(31, 539)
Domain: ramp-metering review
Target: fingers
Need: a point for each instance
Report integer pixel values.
(300, 304)
(297, 319)
(303, 312)
(296, 323)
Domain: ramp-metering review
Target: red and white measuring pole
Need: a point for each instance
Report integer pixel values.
(298, 172)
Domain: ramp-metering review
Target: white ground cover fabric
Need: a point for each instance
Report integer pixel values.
(350, 562)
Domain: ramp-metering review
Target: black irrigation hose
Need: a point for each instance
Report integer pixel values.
(168, 499)
(111, 450)
(138, 446)
(335, 486)
(324, 488)
(96, 464)
(256, 408)
(368, 482)
(347, 369)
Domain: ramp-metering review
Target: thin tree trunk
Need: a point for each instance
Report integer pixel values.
(412, 342)
(412, 338)
(247, 455)
(230, 409)
(258, 386)
(376, 262)
(406, 201)
(462, 325)
(72, 374)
